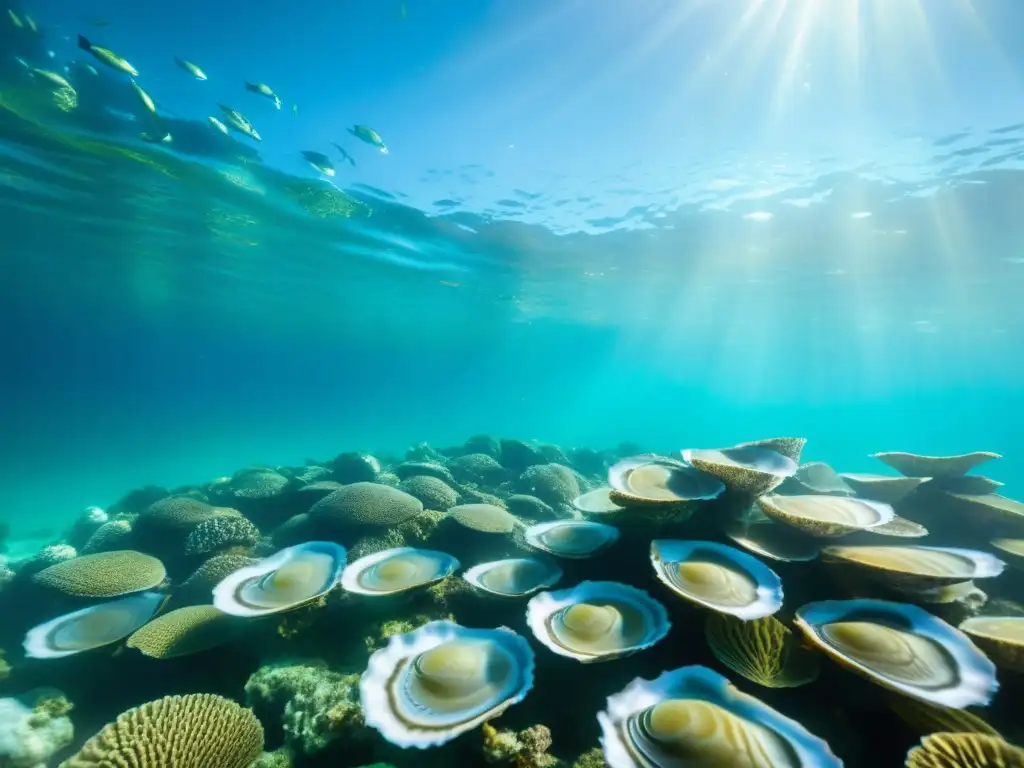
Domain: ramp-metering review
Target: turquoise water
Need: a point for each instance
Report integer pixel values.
(686, 224)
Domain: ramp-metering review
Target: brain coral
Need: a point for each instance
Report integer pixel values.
(198, 588)
(366, 504)
(258, 483)
(49, 555)
(184, 631)
(434, 493)
(199, 730)
(221, 533)
(552, 483)
(486, 518)
(108, 537)
(105, 574)
(177, 514)
(477, 468)
(409, 469)
(355, 467)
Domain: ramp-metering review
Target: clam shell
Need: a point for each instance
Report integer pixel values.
(884, 488)
(575, 539)
(718, 577)
(765, 651)
(596, 502)
(428, 686)
(751, 469)
(651, 479)
(818, 477)
(597, 620)
(927, 718)
(903, 648)
(396, 570)
(917, 567)
(284, 581)
(1012, 550)
(900, 527)
(693, 716)
(917, 465)
(826, 516)
(1001, 637)
(92, 627)
(775, 541)
(514, 577)
(964, 750)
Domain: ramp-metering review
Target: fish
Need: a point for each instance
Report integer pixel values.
(191, 68)
(319, 161)
(264, 90)
(218, 125)
(156, 138)
(15, 19)
(147, 100)
(30, 23)
(370, 136)
(51, 77)
(22, 62)
(239, 122)
(107, 56)
(344, 155)
(295, 109)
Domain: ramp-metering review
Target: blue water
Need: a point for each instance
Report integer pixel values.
(592, 225)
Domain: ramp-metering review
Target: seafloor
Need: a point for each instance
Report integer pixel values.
(299, 670)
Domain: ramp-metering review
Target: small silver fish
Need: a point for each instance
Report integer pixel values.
(344, 155)
(22, 62)
(15, 19)
(191, 68)
(218, 125)
(107, 56)
(239, 122)
(264, 90)
(156, 138)
(51, 77)
(370, 136)
(147, 100)
(319, 161)
(30, 23)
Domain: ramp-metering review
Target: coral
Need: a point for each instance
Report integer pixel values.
(185, 631)
(105, 574)
(258, 484)
(483, 444)
(30, 735)
(51, 554)
(391, 627)
(526, 749)
(193, 731)
(318, 489)
(411, 469)
(199, 586)
(6, 576)
(529, 507)
(419, 529)
(355, 468)
(85, 525)
(279, 758)
(366, 504)
(388, 478)
(485, 518)
(423, 452)
(517, 455)
(552, 483)
(135, 502)
(315, 704)
(450, 586)
(477, 468)
(5, 668)
(221, 533)
(178, 514)
(433, 492)
(472, 495)
(552, 454)
(592, 758)
(108, 537)
(311, 473)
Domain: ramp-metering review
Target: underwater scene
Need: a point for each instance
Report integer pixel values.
(540, 384)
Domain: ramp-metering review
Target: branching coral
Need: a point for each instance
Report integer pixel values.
(524, 749)
(30, 735)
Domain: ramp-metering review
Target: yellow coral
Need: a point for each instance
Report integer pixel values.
(194, 731)
(184, 631)
(104, 574)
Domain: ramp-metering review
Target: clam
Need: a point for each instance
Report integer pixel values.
(927, 718)
(917, 465)
(574, 539)
(430, 685)
(916, 567)
(597, 620)
(649, 480)
(1012, 550)
(693, 716)
(774, 541)
(397, 570)
(903, 648)
(751, 468)
(92, 627)
(289, 579)
(514, 577)
(1001, 637)
(596, 502)
(818, 477)
(988, 507)
(900, 527)
(884, 488)
(718, 577)
(964, 750)
(765, 651)
(826, 516)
